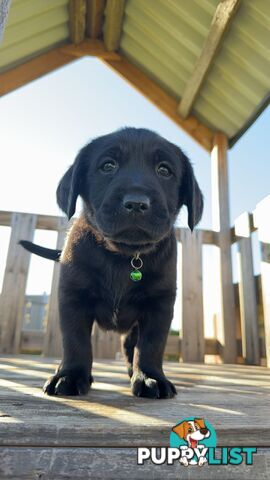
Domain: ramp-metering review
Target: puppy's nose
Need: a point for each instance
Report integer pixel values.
(204, 431)
(136, 203)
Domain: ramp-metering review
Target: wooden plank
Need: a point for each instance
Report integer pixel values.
(221, 223)
(43, 222)
(14, 284)
(50, 222)
(163, 101)
(77, 20)
(114, 14)
(233, 398)
(32, 341)
(261, 220)
(247, 292)
(95, 18)
(93, 48)
(115, 463)
(32, 69)
(49, 61)
(52, 341)
(192, 300)
(209, 237)
(223, 16)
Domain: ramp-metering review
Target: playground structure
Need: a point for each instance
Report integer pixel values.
(206, 65)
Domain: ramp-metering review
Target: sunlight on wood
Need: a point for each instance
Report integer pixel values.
(217, 409)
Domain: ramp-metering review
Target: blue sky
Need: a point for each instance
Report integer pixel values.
(44, 124)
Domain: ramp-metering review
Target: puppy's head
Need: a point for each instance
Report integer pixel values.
(133, 183)
(192, 431)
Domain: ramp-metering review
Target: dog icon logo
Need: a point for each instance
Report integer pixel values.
(193, 436)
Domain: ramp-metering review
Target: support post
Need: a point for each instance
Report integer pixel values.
(261, 221)
(247, 291)
(221, 224)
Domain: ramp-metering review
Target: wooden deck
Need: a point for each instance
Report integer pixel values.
(55, 438)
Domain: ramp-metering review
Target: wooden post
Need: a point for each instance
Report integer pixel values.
(221, 224)
(52, 340)
(247, 292)
(15, 278)
(192, 345)
(77, 14)
(95, 17)
(262, 222)
(114, 14)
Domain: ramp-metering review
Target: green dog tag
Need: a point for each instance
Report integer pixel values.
(136, 276)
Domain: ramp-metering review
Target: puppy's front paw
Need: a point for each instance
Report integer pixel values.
(68, 383)
(144, 386)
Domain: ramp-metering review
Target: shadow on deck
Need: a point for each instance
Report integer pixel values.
(233, 398)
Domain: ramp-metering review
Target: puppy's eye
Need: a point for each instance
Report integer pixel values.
(190, 430)
(163, 170)
(109, 167)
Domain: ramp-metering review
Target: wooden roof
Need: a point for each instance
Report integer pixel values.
(205, 63)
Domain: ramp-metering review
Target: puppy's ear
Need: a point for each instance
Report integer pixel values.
(200, 422)
(193, 197)
(71, 184)
(180, 429)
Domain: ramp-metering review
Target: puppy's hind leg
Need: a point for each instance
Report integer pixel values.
(129, 342)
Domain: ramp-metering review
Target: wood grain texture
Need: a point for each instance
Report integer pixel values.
(235, 399)
(261, 220)
(95, 18)
(77, 20)
(223, 16)
(247, 291)
(49, 61)
(14, 283)
(192, 345)
(114, 14)
(221, 223)
(114, 464)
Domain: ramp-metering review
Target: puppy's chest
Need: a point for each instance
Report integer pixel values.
(118, 305)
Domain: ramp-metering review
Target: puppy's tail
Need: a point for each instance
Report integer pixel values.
(49, 253)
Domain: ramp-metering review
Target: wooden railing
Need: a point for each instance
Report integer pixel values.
(192, 346)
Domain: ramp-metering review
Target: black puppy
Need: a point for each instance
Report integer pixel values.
(118, 266)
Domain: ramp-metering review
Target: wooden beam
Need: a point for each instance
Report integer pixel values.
(114, 15)
(247, 291)
(167, 104)
(95, 18)
(31, 70)
(49, 61)
(77, 20)
(92, 48)
(221, 223)
(223, 16)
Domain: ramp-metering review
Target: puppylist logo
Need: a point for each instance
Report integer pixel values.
(193, 441)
